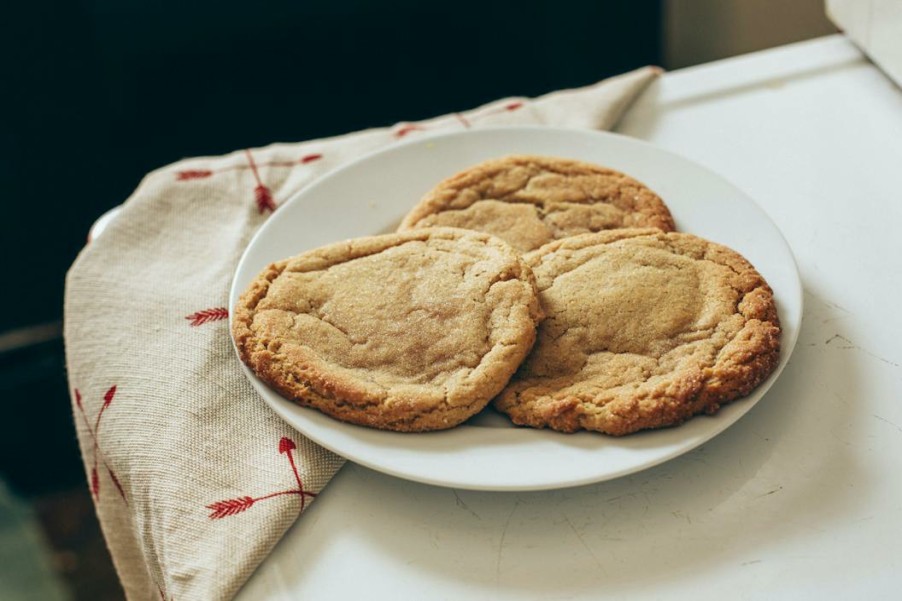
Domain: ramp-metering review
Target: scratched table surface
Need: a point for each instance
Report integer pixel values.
(802, 498)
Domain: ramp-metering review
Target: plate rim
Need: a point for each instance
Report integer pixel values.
(282, 406)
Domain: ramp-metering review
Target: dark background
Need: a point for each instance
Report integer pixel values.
(104, 91)
(98, 93)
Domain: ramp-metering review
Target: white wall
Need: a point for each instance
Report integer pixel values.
(699, 31)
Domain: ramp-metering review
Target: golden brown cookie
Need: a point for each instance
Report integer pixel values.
(409, 332)
(529, 201)
(644, 329)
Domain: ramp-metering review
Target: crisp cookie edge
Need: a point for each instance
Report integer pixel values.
(333, 398)
(655, 210)
(686, 394)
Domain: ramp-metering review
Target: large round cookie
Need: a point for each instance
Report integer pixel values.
(529, 201)
(410, 332)
(643, 330)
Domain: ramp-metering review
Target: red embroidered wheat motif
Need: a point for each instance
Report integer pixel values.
(115, 482)
(264, 199)
(262, 194)
(202, 317)
(463, 120)
(228, 507)
(193, 174)
(408, 128)
(94, 432)
(286, 445)
(223, 509)
(107, 399)
(95, 482)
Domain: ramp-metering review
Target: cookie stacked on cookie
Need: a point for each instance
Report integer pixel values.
(643, 327)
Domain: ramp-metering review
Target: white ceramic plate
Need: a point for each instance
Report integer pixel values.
(370, 196)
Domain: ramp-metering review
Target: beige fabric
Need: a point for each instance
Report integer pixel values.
(194, 477)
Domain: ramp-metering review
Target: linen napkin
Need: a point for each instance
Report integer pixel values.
(193, 476)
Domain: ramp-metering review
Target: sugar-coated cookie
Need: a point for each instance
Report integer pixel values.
(411, 331)
(644, 329)
(529, 201)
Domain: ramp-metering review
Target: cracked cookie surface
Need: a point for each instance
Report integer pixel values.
(412, 331)
(644, 329)
(529, 201)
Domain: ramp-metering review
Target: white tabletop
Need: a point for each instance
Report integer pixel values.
(802, 498)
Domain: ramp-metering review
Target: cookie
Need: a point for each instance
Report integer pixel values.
(410, 332)
(644, 329)
(529, 201)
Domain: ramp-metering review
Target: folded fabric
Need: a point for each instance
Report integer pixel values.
(194, 477)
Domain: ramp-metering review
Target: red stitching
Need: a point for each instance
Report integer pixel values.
(95, 483)
(193, 174)
(408, 128)
(262, 195)
(286, 446)
(263, 198)
(462, 119)
(107, 399)
(190, 174)
(228, 507)
(115, 482)
(98, 455)
(202, 317)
